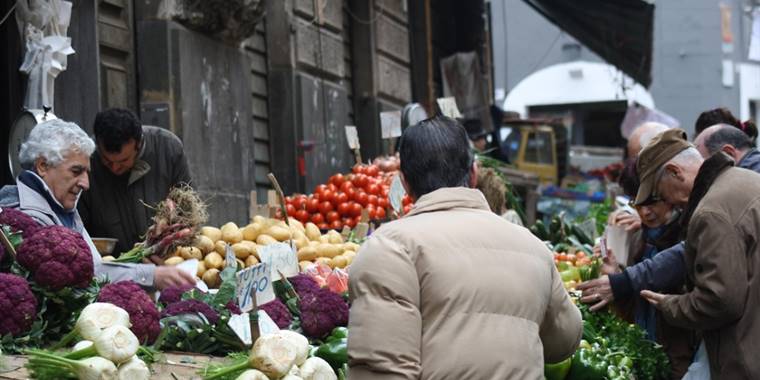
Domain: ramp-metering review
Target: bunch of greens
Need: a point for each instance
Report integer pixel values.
(600, 212)
(513, 201)
(605, 329)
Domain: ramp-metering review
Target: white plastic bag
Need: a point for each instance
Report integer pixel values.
(700, 367)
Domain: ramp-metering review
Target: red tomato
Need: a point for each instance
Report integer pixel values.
(332, 216)
(362, 198)
(379, 213)
(357, 169)
(372, 171)
(344, 209)
(299, 202)
(341, 197)
(361, 181)
(407, 200)
(323, 226)
(407, 208)
(302, 216)
(371, 210)
(332, 187)
(373, 189)
(350, 222)
(356, 210)
(372, 199)
(384, 191)
(320, 188)
(325, 207)
(351, 193)
(336, 225)
(288, 199)
(382, 202)
(317, 218)
(346, 186)
(312, 205)
(291, 210)
(337, 179)
(327, 196)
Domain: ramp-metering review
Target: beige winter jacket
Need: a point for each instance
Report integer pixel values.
(453, 291)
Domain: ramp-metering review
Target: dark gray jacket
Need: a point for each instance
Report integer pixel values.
(667, 270)
(115, 206)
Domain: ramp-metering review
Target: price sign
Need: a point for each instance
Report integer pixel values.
(352, 137)
(281, 258)
(449, 107)
(229, 257)
(240, 324)
(396, 194)
(254, 281)
(390, 124)
(266, 324)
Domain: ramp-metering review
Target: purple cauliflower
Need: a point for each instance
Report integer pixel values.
(303, 284)
(321, 312)
(57, 257)
(18, 221)
(190, 307)
(143, 313)
(18, 304)
(278, 312)
(233, 307)
(173, 294)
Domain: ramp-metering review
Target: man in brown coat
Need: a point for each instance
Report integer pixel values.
(722, 213)
(451, 290)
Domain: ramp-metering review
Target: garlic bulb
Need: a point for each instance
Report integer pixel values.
(117, 343)
(98, 316)
(273, 354)
(317, 369)
(134, 369)
(300, 342)
(252, 374)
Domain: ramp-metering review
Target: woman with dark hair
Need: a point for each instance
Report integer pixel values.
(724, 116)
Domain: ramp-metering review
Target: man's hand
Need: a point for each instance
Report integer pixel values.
(166, 276)
(631, 222)
(596, 291)
(654, 298)
(610, 264)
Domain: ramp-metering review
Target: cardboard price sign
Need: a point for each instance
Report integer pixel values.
(281, 258)
(255, 281)
(449, 107)
(390, 124)
(352, 137)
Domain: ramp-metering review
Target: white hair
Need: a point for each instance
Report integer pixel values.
(653, 129)
(52, 140)
(687, 157)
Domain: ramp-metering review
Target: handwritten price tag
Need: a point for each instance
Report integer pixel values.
(281, 258)
(390, 124)
(352, 137)
(256, 280)
(449, 107)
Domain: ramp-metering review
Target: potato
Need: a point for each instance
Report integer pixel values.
(304, 265)
(260, 220)
(339, 262)
(349, 259)
(265, 239)
(108, 258)
(189, 253)
(232, 236)
(201, 269)
(220, 247)
(204, 243)
(251, 261)
(314, 244)
(349, 253)
(212, 233)
(212, 278)
(324, 239)
(296, 225)
(251, 247)
(329, 250)
(278, 232)
(252, 231)
(323, 260)
(173, 260)
(229, 227)
(213, 260)
(300, 239)
(334, 237)
(307, 254)
(350, 246)
(242, 251)
(312, 231)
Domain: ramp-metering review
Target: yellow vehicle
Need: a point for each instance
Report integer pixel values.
(534, 146)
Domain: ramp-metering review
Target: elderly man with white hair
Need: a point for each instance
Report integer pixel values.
(56, 159)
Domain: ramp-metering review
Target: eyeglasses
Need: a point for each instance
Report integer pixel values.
(650, 201)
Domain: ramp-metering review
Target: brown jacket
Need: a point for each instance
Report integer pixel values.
(721, 257)
(453, 291)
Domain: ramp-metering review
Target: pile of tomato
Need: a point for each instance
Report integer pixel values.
(340, 201)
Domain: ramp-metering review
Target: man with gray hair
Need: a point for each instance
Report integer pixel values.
(56, 162)
(722, 212)
(731, 141)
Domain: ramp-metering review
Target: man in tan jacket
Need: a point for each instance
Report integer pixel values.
(451, 290)
(722, 211)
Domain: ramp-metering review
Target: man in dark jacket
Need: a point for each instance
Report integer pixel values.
(134, 166)
(722, 211)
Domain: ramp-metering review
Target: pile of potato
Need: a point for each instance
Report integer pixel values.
(313, 247)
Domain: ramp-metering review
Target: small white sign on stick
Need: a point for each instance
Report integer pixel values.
(254, 281)
(390, 124)
(449, 107)
(352, 137)
(281, 258)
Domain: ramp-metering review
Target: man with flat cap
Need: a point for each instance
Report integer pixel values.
(721, 206)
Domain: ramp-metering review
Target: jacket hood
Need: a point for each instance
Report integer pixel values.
(448, 198)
